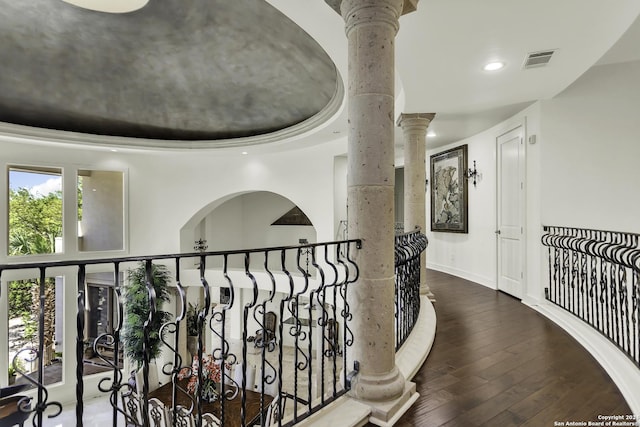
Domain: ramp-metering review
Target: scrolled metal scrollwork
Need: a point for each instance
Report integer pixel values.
(314, 296)
(26, 405)
(602, 287)
(408, 248)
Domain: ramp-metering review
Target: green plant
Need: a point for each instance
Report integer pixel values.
(17, 363)
(30, 328)
(34, 222)
(20, 298)
(136, 311)
(192, 319)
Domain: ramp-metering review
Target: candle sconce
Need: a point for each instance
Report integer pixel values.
(473, 173)
(201, 245)
(306, 252)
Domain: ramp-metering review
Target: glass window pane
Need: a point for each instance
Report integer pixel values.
(99, 323)
(35, 210)
(100, 210)
(24, 336)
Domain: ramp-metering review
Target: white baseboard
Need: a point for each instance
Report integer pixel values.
(620, 368)
(467, 275)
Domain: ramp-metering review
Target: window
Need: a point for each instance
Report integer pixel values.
(24, 334)
(100, 316)
(35, 210)
(100, 210)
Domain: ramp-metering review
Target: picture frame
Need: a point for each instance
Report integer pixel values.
(449, 191)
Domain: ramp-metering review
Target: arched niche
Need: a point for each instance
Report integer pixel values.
(245, 221)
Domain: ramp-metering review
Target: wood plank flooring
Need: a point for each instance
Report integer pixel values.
(496, 362)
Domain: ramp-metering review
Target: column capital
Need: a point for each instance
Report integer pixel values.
(359, 13)
(415, 119)
(408, 6)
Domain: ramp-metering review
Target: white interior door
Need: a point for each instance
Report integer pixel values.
(510, 209)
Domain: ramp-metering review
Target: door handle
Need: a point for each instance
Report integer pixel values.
(497, 232)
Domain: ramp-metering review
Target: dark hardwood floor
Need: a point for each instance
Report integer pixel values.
(496, 362)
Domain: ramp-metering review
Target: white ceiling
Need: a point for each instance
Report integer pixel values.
(626, 49)
(442, 47)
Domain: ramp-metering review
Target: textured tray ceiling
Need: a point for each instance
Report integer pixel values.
(173, 70)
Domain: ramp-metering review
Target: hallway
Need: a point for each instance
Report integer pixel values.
(496, 362)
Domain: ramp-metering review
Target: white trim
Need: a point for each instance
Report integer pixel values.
(489, 282)
(621, 370)
(413, 353)
(521, 128)
(11, 132)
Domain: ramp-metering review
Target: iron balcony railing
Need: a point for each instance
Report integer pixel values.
(293, 327)
(595, 275)
(408, 248)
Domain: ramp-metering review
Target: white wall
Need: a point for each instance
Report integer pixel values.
(245, 222)
(589, 179)
(591, 153)
(582, 171)
(470, 255)
(473, 255)
(169, 192)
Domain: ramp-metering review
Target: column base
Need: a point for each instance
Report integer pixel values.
(427, 293)
(386, 414)
(378, 388)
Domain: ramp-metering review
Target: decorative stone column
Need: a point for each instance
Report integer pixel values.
(371, 27)
(414, 127)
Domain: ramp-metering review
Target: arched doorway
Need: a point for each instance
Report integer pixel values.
(247, 220)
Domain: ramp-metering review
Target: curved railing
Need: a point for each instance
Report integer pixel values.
(300, 356)
(595, 275)
(408, 247)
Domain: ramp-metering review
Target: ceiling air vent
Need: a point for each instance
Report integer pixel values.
(538, 59)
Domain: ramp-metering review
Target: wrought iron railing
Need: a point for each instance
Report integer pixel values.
(595, 275)
(303, 358)
(408, 248)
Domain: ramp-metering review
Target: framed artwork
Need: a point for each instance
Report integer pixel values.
(449, 193)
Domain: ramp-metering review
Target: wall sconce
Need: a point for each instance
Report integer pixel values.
(306, 252)
(473, 173)
(201, 245)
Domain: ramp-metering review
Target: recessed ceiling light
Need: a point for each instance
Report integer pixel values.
(114, 150)
(431, 134)
(494, 66)
(244, 153)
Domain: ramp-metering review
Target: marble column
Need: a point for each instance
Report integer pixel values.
(414, 128)
(371, 27)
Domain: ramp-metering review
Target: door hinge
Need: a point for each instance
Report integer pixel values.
(521, 230)
(521, 275)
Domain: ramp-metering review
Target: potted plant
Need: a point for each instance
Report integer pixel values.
(136, 311)
(192, 328)
(12, 375)
(14, 367)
